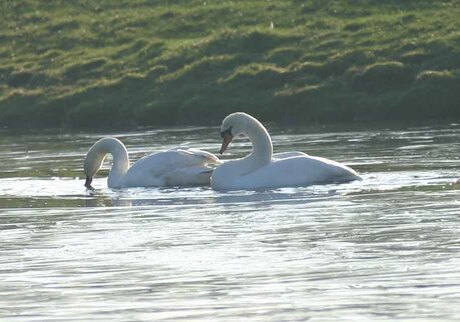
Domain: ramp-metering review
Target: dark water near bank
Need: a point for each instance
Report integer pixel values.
(384, 249)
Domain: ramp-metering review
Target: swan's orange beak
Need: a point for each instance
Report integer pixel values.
(227, 140)
(88, 182)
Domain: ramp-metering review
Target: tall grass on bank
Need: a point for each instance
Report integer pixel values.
(137, 62)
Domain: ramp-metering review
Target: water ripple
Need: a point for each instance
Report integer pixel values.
(383, 249)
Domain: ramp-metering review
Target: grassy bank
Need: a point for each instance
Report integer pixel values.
(137, 62)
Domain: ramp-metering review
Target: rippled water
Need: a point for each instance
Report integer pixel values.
(384, 249)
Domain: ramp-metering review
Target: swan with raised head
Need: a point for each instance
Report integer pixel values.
(177, 167)
(264, 170)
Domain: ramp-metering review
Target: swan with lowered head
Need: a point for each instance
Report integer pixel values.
(262, 169)
(177, 167)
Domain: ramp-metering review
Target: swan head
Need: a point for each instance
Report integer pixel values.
(92, 164)
(233, 125)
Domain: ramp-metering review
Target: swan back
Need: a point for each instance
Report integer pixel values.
(176, 167)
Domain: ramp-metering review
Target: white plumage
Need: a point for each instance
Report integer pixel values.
(262, 169)
(176, 167)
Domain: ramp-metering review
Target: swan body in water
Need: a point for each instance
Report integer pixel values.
(264, 170)
(177, 167)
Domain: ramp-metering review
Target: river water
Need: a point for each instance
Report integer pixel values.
(383, 249)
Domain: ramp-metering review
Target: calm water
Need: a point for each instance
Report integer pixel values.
(384, 249)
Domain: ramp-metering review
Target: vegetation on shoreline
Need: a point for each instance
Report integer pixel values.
(137, 62)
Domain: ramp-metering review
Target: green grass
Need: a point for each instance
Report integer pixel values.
(137, 62)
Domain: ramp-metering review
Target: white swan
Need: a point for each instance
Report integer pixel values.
(176, 167)
(262, 169)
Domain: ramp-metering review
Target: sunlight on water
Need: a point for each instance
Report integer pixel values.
(383, 249)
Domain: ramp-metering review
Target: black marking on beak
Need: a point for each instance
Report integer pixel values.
(226, 132)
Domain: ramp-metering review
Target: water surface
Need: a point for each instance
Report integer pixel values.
(383, 249)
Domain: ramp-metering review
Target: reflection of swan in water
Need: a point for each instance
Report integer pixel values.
(262, 169)
(149, 196)
(98, 198)
(177, 167)
(108, 202)
(204, 198)
(116, 202)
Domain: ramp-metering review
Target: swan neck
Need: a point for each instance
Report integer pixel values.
(120, 158)
(262, 148)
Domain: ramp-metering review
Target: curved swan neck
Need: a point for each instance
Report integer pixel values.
(262, 148)
(119, 154)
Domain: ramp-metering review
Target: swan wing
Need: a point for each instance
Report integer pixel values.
(199, 156)
(285, 155)
(301, 170)
(189, 176)
(170, 166)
